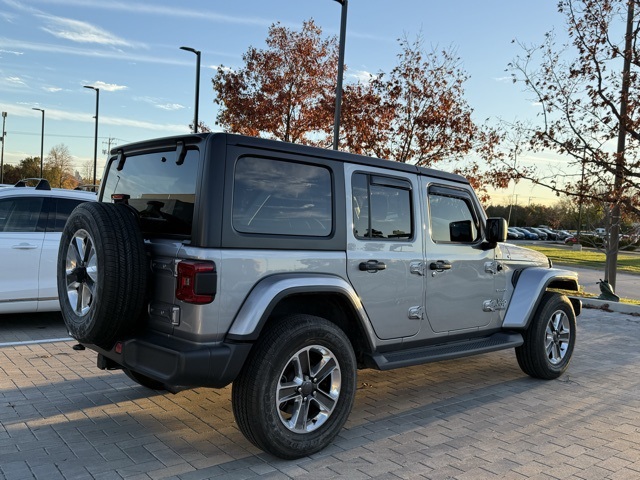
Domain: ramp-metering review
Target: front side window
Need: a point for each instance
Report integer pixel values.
(21, 214)
(282, 198)
(160, 187)
(452, 218)
(381, 207)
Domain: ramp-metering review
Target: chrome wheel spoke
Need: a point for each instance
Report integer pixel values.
(557, 337)
(81, 272)
(325, 401)
(308, 389)
(288, 391)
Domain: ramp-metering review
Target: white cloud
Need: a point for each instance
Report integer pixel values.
(507, 78)
(108, 87)
(52, 89)
(220, 67)
(160, 103)
(361, 76)
(83, 32)
(12, 52)
(174, 12)
(55, 114)
(15, 81)
(170, 106)
(90, 52)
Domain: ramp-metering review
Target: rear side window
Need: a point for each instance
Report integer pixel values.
(160, 187)
(58, 217)
(282, 198)
(452, 218)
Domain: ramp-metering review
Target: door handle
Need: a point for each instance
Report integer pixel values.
(24, 246)
(440, 265)
(372, 266)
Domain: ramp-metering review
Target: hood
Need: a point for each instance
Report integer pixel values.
(521, 255)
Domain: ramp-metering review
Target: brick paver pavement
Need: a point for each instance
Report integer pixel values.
(474, 418)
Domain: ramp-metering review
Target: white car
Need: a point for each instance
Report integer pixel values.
(31, 222)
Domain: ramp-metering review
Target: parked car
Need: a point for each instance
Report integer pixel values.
(527, 234)
(31, 222)
(562, 235)
(541, 235)
(284, 268)
(514, 234)
(551, 235)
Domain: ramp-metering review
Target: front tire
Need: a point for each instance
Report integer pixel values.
(549, 341)
(297, 388)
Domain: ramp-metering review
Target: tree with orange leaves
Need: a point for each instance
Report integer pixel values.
(284, 91)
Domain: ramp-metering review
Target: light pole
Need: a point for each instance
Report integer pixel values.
(4, 134)
(41, 140)
(95, 139)
(343, 34)
(195, 114)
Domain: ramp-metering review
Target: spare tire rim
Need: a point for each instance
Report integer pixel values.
(557, 337)
(308, 389)
(81, 272)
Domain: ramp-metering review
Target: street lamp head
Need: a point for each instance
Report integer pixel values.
(4, 114)
(192, 50)
(92, 87)
(38, 109)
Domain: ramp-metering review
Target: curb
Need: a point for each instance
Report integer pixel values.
(609, 306)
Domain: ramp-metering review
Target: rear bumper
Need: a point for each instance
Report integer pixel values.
(177, 363)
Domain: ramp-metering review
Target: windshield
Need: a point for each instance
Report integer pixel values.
(162, 191)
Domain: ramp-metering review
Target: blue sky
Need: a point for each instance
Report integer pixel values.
(49, 49)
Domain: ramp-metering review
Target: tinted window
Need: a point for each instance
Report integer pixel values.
(162, 190)
(63, 208)
(21, 214)
(282, 198)
(381, 207)
(452, 219)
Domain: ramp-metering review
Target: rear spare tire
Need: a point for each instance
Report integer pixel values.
(102, 273)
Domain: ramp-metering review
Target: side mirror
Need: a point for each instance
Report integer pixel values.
(496, 230)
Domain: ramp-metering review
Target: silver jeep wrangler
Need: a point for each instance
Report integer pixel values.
(217, 258)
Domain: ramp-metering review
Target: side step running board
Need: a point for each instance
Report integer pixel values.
(446, 351)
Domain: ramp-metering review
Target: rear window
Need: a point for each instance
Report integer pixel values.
(282, 198)
(163, 191)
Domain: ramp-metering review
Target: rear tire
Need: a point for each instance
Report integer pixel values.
(102, 273)
(297, 388)
(550, 339)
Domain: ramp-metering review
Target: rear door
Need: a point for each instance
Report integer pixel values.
(22, 225)
(59, 210)
(384, 249)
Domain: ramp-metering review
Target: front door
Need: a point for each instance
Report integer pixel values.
(460, 273)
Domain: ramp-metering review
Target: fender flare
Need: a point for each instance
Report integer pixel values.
(531, 285)
(267, 293)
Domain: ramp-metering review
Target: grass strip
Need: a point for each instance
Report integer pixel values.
(588, 258)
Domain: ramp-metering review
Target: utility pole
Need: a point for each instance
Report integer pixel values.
(614, 222)
(4, 135)
(343, 35)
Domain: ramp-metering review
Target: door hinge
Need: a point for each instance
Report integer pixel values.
(492, 267)
(494, 305)
(417, 268)
(416, 313)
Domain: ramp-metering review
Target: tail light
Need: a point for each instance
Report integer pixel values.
(197, 281)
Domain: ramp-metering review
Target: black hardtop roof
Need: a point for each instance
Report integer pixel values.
(280, 146)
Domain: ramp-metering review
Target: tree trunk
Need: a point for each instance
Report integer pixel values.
(614, 221)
